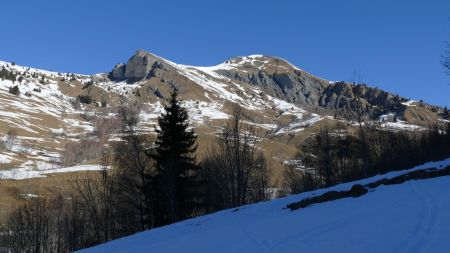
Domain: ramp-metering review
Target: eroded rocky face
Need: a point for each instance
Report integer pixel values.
(140, 66)
(292, 85)
(372, 101)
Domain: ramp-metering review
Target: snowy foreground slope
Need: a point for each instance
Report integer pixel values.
(409, 217)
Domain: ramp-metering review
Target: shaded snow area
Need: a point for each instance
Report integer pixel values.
(408, 217)
(42, 170)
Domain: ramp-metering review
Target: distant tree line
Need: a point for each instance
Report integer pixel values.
(340, 154)
(144, 182)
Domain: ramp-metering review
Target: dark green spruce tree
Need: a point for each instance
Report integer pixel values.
(175, 184)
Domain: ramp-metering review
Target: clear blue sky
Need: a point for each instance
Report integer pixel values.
(395, 45)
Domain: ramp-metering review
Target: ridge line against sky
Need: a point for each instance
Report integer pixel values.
(394, 45)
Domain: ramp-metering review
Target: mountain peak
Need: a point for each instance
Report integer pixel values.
(138, 67)
(259, 61)
(143, 53)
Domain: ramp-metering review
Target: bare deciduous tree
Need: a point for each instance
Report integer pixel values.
(296, 180)
(235, 173)
(104, 127)
(11, 138)
(37, 226)
(83, 150)
(95, 191)
(130, 116)
(259, 179)
(133, 169)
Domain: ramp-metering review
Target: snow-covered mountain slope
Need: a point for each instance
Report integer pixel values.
(282, 100)
(408, 217)
(42, 117)
(45, 117)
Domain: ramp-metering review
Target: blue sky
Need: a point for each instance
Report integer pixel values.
(395, 45)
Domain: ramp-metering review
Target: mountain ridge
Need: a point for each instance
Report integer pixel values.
(285, 102)
(277, 77)
(133, 76)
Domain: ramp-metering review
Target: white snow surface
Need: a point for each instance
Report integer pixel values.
(5, 158)
(199, 111)
(42, 171)
(401, 125)
(409, 103)
(408, 217)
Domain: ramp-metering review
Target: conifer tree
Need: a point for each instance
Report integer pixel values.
(176, 178)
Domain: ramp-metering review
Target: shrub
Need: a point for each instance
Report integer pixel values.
(14, 90)
(85, 99)
(88, 84)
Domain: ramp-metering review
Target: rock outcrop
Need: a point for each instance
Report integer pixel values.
(140, 66)
(277, 78)
(372, 101)
(118, 73)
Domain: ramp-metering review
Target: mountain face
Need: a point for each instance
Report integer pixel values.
(275, 77)
(285, 102)
(140, 66)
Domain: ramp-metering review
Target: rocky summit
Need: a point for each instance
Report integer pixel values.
(140, 66)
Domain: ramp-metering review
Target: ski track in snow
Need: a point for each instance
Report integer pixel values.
(420, 236)
(250, 233)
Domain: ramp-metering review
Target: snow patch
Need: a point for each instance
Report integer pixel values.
(409, 103)
(5, 158)
(26, 172)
